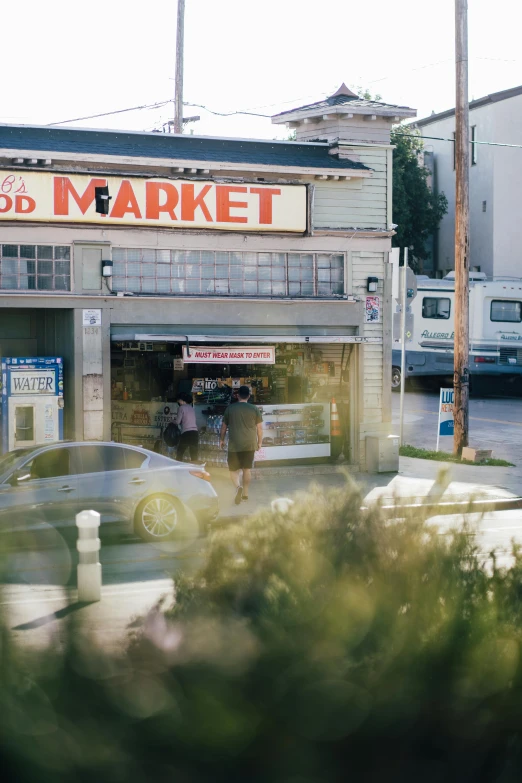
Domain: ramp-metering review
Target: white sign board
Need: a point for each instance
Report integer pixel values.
(264, 354)
(175, 203)
(33, 382)
(445, 426)
(92, 317)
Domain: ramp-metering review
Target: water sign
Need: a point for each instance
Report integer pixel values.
(445, 426)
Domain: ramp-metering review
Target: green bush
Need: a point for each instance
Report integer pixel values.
(322, 644)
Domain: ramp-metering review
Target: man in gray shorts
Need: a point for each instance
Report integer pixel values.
(244, 423)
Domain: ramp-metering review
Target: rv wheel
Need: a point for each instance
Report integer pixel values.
(396, 378)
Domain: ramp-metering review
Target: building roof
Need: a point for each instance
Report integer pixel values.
(340, 101)
(207, 149)
(494, 97)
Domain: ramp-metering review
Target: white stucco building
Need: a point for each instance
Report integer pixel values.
(495, 184)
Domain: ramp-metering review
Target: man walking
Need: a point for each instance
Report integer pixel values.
(244, 423)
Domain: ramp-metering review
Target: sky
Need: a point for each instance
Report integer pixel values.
(64, 60)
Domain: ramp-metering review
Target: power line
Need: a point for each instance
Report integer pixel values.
(441, 138)
(109, 113)
(225, 113)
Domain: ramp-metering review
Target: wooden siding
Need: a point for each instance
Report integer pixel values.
(371, 418)
(354, 129)
(355, 203)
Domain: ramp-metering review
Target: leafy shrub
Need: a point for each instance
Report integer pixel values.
(322, 644)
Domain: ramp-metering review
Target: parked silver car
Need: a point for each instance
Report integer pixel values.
(155, 495)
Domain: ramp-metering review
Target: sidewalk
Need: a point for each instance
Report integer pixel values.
(38, 614)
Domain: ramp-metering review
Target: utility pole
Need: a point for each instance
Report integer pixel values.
(461, 362)
(404, 306)
(178, 95)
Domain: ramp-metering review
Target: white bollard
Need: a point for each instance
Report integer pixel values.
(89, 566)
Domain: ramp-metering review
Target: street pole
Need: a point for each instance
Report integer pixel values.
(404, 302)
(178, 95)
(461, 361)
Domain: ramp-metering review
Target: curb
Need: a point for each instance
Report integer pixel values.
(301, 470)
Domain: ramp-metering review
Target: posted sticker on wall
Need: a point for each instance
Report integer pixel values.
(445, 414)
(92, 317)
(372, 311)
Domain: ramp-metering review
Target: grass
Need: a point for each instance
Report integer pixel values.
(444, 456)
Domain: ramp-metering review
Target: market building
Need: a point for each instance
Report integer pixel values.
(219, 261)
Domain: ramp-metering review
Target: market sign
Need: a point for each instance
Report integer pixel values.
(44, 196)
(264, 354)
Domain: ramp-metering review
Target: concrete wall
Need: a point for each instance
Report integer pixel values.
(491, 181)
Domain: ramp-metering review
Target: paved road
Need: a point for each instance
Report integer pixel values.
(495, 423)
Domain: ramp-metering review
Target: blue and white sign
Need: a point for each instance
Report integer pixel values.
(445, 414)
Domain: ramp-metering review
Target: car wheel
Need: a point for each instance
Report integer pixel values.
(396, 378)
(158, 518)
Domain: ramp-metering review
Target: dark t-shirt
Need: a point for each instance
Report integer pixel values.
(242, 419)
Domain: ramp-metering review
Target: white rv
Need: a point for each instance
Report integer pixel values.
(495, 329)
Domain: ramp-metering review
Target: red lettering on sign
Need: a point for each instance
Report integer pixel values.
(153, 206)
(224, 205)
(265, 203)
(189, 202)
(63, 188)
(125, 202)
(6, 203)
(24, 204)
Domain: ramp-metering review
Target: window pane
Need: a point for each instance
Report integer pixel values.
(250, 259)
(9, 266)
(221, 286)
(10, 251)
(250, 273)
(60, 252)
(51, 464)
(163, 256)
(265, 287)
(207, 272)
(163, 270)
(99, 459)
(250, 287)
(29, 251)
(222, 258)
(133, 254)
(436, 307)
(118, 254)
(118, 269)
(307, 260)
(307, 289)
(133, 284)
(44, 251)
(148, 256)
(163, 286)
(134, 459)
(9, 282)
(148, 285)
(278, 273)
(264, 273)
(62, 283)
(60, 267)
(45, 267)
(506, 311)
(278, 289)
(44, 283)
(193, 286)
(133, 269)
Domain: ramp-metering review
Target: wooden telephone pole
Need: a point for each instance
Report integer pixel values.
(178, 95)
(461, 368)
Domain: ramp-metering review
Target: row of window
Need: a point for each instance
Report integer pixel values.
(35, 267)
(192, 272)
(500, 311)
(224, 273)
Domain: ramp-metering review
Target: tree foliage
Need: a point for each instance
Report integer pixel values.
(417, 209)
(316, 645)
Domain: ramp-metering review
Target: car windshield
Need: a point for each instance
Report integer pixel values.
(13, 456)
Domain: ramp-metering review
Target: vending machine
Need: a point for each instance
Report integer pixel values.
(32, 401)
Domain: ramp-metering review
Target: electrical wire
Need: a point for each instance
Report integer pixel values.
(224, 113)
(441, 138)
(109, 113)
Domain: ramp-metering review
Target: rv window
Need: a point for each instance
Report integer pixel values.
(435, 307)
(506, 311)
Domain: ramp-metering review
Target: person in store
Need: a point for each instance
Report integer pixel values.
(245, 435)
(186, 421)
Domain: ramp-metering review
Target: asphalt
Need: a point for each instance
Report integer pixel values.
(39, 595)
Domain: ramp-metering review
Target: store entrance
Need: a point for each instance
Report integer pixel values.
(294, 392)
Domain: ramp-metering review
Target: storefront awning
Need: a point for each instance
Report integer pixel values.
(253, 338)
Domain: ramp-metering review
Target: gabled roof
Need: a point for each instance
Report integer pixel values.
(494, 97)
(342, 101)
(207, 149)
